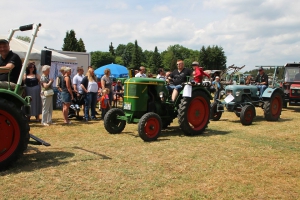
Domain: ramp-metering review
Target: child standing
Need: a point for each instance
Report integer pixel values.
(104, 101)
(198, 72)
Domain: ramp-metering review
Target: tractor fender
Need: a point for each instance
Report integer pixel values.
(270, 91)
(202, 89)
(13, 97)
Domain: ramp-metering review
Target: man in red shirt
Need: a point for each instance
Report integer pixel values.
(198, 72)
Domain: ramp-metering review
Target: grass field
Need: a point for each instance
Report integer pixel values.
(228, 161)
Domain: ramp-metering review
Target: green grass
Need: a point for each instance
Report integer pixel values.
(228, 161)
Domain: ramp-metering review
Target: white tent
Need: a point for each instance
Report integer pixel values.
(20, 47)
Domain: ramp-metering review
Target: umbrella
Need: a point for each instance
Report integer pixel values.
(117, 71)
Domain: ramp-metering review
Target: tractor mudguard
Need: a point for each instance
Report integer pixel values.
(199, 88)
(269, 91)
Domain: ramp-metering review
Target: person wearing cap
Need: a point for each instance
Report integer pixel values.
(198, 72)
(218, 86)
(261, 81)
(9, 62)
(141, 72)
(177, 78)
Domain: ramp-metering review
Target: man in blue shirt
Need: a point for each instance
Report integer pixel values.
(217, 85)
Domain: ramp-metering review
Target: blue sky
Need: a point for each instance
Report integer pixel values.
(251, 32)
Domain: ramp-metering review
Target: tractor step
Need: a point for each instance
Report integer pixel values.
(40, 141)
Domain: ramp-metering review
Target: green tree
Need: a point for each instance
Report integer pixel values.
(169, 60)
(111, 49)
(156, 61)
(24, 38)
(70, 41)
(81, 46)
(120, 49)
(99, 58)
(136, 56)
(212, 58)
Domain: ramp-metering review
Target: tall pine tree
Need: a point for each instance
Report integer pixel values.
(136, 56)
(70, 42)
(111, 49)
(81, 46)
(156, 61)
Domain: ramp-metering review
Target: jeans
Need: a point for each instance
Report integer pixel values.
(90, 101)
(261, 89)
(216, 95)
(174, 87)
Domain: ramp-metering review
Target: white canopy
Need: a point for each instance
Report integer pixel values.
(20, 47)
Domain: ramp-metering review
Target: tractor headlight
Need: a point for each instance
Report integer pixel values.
(237, 93)
(293, 91)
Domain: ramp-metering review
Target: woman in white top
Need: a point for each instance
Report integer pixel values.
(89, 86)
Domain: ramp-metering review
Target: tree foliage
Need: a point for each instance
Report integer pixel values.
(111, 49)
(136, 56)
(72, 44)
(212, 58)
(24, 38)
(155, 61)
(99, 58)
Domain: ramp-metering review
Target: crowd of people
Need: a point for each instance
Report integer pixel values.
(86, 89)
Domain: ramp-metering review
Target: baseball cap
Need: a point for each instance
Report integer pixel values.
(2, 40)
(260, 68)
(195, 63)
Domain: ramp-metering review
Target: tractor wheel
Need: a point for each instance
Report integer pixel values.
(14, 134)
(111, 123)
(272, 108)
(214, 115)
(149, 127)
(284, 104)
(194, 113)
(247, 114)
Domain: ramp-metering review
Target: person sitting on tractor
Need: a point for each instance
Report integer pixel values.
(161, 74)
(141, 72)
(297, 76)
(176, 78)
(199, 73)
(9, 62)
(261, 81)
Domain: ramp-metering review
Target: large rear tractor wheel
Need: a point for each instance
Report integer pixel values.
(112, 124)
(247, 115)
(194, 113)
(149, 127)
(14, 134)
(214, 114)
(272, 108)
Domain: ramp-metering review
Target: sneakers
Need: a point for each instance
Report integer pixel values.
(45, 124)
(94, 118)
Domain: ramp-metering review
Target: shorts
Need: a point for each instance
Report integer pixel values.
(65, 97)
(176, 87)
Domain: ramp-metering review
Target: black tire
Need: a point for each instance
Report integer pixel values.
(214, 115)
(193, 113)
(284, 104)
(149, 127)
(273, 108)
(247, 115)
(14, 134)
(112, 124)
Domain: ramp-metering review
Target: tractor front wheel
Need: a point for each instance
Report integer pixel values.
(149, 127)
(272, 108)
(14, 134)
(112, 124)
(194, 113)
(214, 114)
(247, 115)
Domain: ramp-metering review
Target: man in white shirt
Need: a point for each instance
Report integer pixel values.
(141, 73)
(77, 81)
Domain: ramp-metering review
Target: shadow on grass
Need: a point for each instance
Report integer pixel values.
(95, 153)
(38, 160)
(292, 109)
(262, 119)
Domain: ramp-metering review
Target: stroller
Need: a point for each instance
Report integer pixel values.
(75, 106)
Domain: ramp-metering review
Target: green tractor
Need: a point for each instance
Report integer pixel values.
(147, 102)
(242, 100)
(14, 135)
